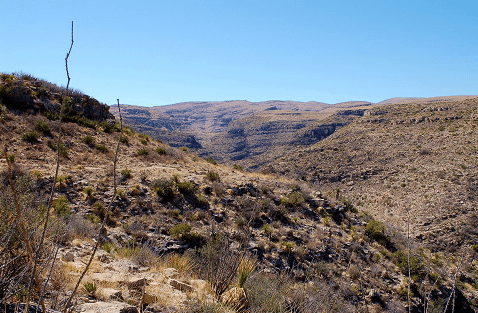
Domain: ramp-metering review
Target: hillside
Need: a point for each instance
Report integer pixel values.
(235, 131)
(417, 157)
(182, 234)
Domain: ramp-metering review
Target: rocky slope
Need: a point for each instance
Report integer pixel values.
(417, 158)
(238, 241)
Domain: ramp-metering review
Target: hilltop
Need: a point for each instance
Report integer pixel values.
(186, 234)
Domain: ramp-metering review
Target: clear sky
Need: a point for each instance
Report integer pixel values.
(162, 52)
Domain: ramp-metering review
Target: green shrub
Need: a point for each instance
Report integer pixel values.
(296, 199)
(93, 218)
(164, 189)
(417, 264)
(11, 158)
(185, 149)
(60, 206)
(161, 151)
(90, 288)
(88, 192)
(43, 127)
(212, 176)
(124, 140)
(180, 231)
(101, 147)
(63, 180)
(376, 230)
(211, 160)
(126, 173)
(238, 167)
(30, 137)
(63, 151)
(186, 187)
(350, 207)
(88, 140)
(142, 151)
(145, 137)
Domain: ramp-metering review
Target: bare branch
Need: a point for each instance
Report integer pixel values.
(103, 223)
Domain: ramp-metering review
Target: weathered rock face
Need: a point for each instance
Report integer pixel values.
(32, 95)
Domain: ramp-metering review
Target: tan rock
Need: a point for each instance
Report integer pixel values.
(181, 285)
(109, 294)
(106, 307)
(170, 272)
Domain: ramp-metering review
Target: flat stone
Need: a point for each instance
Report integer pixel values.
(69, 257)
(181, 285)
(106, 307)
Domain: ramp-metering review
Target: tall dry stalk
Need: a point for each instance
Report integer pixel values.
(103, 223)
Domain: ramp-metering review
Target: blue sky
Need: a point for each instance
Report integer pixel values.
(162, 52)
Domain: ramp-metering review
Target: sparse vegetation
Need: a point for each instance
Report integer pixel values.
(43, 127)
(142, 151)
(30, 137)
(101, 147)
(205, 223)
(212, 176)
(161, 151)
(89, 140)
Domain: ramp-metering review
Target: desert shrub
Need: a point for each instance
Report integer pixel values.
(211, 160)
(61, 206)
(376, 230)
(124, 140)
(37, 174)
(212, 176)
(417, 264)
(349, 206)
(95, 219)
(63, 151)
(63, 180)
(88, 140)
(81, 227)
(180, 231)
(294, 200)
(101, 147)
(90, 287)
(182, 262)
(183, 232)
(11, 158)
(121, 194)
(238, 167)
(88, 191)
(145, 257)
(161, 151)
(267, 292)
(186, 187)
(164, 189)
(14, 271)
(99, 208)
(43, 127)
(144, 138)
(217, 263)
(142, 151)
(30, 137)
(126, 173)
(184, 149)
